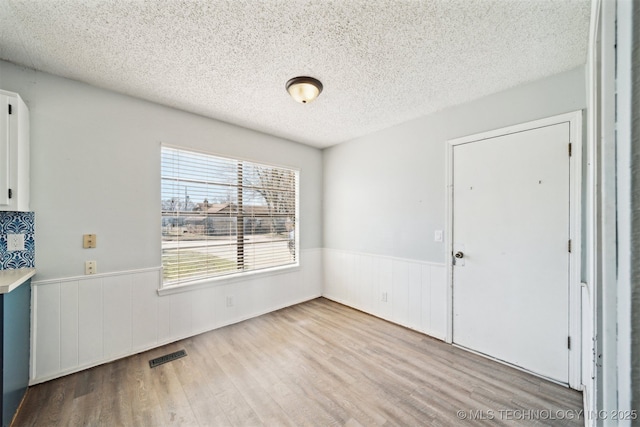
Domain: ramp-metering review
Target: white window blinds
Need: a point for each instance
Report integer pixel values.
(223, 216)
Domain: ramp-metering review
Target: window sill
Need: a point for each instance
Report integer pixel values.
(224, 280)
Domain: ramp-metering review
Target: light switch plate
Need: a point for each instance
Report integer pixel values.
(438, 236)
(15, 242)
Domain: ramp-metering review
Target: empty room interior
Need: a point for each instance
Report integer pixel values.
(301, 212)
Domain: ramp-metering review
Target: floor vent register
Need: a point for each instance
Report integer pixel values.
(167, 358)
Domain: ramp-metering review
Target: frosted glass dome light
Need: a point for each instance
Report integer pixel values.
(304, 89)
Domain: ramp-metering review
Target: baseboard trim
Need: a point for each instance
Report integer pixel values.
(386, 319)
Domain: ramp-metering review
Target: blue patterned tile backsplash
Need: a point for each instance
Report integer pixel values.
(17, 223)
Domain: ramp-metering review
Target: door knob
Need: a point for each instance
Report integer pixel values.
(459, 255)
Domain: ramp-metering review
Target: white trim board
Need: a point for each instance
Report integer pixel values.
(94, 276)
(389, 257)
(575, 315)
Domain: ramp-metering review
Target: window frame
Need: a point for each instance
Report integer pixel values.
(203, 282)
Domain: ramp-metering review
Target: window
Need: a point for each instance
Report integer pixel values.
(222, 216)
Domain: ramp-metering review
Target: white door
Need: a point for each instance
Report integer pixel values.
(511, 227)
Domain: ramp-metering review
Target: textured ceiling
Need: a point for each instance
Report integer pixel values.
(382, 62)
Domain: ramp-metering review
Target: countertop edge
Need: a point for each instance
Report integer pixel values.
(12, 278)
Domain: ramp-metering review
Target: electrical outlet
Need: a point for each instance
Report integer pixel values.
(90, 267)
(385, 297)
(15, 242)
(230, 301)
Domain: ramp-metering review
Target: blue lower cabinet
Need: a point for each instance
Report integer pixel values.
(15, 323)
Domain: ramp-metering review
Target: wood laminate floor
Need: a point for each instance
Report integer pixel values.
(318, 363)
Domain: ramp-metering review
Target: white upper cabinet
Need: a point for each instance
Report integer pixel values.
(14, 153)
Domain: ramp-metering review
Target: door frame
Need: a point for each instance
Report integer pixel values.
(575, 226)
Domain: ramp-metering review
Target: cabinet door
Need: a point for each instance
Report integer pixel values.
(5, 141)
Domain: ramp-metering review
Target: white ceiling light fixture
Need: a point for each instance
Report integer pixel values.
(304, 89)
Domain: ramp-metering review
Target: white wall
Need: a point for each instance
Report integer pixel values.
(384, 196)
(95, 168)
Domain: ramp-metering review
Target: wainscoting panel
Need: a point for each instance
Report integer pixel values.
(90, 321)
(46, 331)
(87, 321)
(408, 292)
(117, 315)
(438, 301)
(145, 325)
(68, 323)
